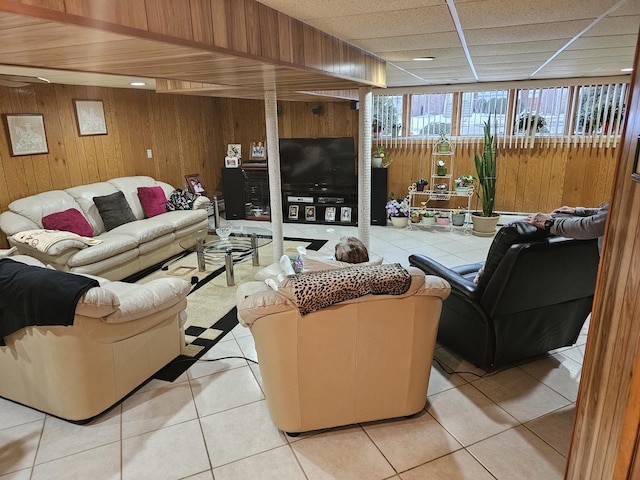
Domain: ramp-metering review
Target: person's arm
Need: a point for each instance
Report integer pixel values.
(582, 227)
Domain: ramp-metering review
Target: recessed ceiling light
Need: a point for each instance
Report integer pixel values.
(137, 84)
(423, 59)
(627, 70)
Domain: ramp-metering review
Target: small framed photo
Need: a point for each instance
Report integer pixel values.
(90, 117)
(310, 213)
(258, 151)
(345, 214)
(234, 150)
(194, 184)
(231, 162)
(26, 134)
(330, 214)
(293, 212)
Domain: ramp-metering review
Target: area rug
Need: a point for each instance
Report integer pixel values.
(211, 311)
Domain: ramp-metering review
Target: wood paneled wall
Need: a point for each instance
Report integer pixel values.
(190, 134)
(529, 179)
(606, 431)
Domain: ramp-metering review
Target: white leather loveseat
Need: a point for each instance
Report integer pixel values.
(121, 334)
(115, 253)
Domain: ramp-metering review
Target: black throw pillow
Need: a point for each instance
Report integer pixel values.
(114, 210)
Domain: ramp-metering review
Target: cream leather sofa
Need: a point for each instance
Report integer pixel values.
(122, 251)
(121, 335)
(360, 360)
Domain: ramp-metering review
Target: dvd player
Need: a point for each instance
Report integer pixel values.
(330, 199)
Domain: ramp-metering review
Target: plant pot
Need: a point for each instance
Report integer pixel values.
(443, 220)
(420, 186)
(457, 219)
(463, 190)
(428, 221)
(443, 148)
(376, 162)
(399, 222)
(415, 218)
(441, 171)
(484, 226)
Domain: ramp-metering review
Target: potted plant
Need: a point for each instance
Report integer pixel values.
(443, 144)
(484, 223)
(457, 217)
(428, 217)
(464, 183)
(421, 183)
(443, 218)
(530, 122)
(415, 216)
(398, 211)
(441, 168)
(379, 157)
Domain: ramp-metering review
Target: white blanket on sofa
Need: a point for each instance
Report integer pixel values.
(42, 240)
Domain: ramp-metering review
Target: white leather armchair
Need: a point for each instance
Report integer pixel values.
(360, 360)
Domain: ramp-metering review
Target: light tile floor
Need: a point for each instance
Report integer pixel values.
(213, 423)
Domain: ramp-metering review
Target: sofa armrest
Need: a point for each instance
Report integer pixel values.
(133, 301)
(200, 202)
(12, 223)
(458, 282)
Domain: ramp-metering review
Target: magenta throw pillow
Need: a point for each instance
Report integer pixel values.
(70, 220)
(152, 200)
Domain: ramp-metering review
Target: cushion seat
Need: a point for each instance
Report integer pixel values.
(112, 245)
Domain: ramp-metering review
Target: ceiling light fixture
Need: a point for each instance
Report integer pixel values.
(627, 70)
(43, 79)
(423, 59)
(137, 84)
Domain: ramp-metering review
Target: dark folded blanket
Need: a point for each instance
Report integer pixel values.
(31, 295)
(313, 291)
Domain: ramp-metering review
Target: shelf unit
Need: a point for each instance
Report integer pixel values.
(442, 161)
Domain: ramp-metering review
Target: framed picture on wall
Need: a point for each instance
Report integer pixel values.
(234, 150)
(90, 117)
(310, 213)
(194, 184)
(345, 214)
(258, 151)
(26, 134)
(293, 212)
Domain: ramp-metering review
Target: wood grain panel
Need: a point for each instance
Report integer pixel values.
(253, 27)
(269, 32)
(57, 5)
(312, 39)
(131, 13)
(170, 17)
(237, 25)
(201, 21)
(219, 23)
(285, 43)
(606, 431)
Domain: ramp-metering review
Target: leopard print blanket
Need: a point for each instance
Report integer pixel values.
(312, 291)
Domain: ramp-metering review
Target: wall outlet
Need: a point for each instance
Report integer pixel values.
(149, 153)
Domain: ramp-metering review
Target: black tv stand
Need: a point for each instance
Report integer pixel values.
(323, 205)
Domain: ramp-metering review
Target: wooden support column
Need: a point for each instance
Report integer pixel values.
(273, 162)
(364, 165)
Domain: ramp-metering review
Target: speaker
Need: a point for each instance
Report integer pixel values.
(316, 110)
(233, 187)
(379, 196)
(355, 105)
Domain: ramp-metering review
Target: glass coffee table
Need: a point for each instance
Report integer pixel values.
(233, 246)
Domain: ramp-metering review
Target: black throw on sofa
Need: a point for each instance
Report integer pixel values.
(533, 295)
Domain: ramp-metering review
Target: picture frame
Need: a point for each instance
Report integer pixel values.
(234, 150)
(26, 134)
(258, 151)
(195, 184)
(635, 175)
(310, 213)
(293, 212)
(345, 214)
(90, 117)
(231, 162)
(330, 214)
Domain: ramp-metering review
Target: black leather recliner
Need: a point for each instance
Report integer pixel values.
(533, 295)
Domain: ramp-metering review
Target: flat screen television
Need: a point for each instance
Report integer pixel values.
(318, 163)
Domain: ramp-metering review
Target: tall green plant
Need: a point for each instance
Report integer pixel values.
(486, 169)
